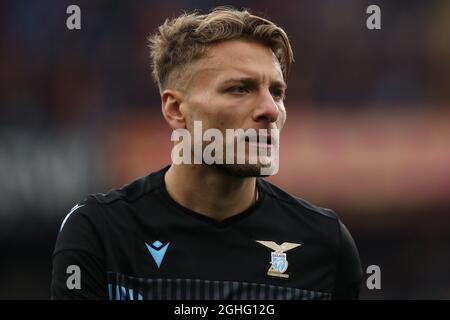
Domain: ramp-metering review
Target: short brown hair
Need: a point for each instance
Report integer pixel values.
(186, 38)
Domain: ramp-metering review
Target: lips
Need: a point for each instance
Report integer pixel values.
(260, 139)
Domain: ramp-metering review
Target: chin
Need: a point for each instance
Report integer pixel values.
(241, 170)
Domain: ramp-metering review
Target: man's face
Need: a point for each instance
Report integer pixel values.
(238, 84)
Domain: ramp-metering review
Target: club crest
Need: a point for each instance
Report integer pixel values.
(278, 262)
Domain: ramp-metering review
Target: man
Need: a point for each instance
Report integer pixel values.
(210, 231)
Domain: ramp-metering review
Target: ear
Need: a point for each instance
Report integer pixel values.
(171, 102)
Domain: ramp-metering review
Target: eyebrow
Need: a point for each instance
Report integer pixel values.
(253, 82)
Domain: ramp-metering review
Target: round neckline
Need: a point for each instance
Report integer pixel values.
(202, 217)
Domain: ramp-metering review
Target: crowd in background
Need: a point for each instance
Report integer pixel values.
(51, 76)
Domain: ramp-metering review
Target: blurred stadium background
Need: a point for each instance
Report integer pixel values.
(368, 130)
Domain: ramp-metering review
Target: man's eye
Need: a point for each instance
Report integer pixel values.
(278, 94)
(238, 89)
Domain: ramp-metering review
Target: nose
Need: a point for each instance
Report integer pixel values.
(266, 110)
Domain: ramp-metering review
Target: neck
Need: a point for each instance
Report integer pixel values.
(209, 191)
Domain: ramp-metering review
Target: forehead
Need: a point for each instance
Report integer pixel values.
(237, 58)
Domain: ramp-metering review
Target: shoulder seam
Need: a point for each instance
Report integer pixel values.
(100, 198)
(299, 202)
(118, 197)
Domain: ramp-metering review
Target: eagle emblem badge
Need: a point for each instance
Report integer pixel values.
(278, 261)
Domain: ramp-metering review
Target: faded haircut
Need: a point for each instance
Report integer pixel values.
(185, 39)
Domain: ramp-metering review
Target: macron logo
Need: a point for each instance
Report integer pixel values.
(157, 250)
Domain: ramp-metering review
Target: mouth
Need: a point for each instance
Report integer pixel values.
(261, 140)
